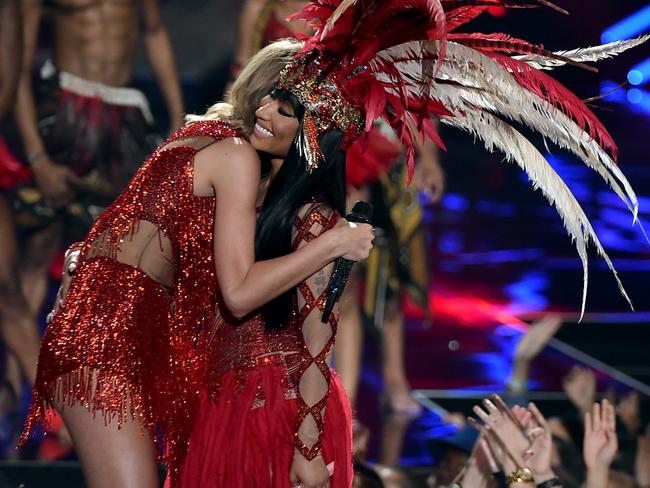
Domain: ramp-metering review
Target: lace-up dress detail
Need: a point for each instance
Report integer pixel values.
(123, 343)
(270, 394)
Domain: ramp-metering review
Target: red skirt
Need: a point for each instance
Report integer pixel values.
(236, 442)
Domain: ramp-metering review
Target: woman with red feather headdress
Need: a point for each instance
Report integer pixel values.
(376, 170)
(272, 413)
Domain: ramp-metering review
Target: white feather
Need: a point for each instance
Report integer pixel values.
(479, 85)
(487, 84)
(585, 54)
(497, 134)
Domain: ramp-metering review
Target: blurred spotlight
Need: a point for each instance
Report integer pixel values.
(453, 345)
(497, 11)
(635, 77)
(635, 96)
(629, 27)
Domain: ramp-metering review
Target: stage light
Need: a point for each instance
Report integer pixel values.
(640, 73)
(629, 27)
(497, 11)
(612, 92)
(635, 77)
(635, 96)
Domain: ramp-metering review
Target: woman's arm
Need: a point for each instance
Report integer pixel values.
(308, 466)
(52, 179)
(234, 172)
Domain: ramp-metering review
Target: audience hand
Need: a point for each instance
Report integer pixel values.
(538, 458)
(628, 411)
(600, 443)
(580, 387)
(642, 464)
(536, 338)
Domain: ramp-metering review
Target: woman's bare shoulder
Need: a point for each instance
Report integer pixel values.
(231, 156)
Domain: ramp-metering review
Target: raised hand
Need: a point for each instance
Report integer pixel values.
(642, 464)
(538, 457)
(537, 336)
(580, 387)
(503, 431)
(600, 441)
(628, 411)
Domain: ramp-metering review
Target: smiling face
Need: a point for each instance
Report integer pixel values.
(275, 127)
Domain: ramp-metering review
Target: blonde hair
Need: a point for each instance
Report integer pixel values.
(253, 83)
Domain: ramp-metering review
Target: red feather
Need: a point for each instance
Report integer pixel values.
(551, 90)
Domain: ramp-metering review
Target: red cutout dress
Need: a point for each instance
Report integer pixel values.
(270, 393)
(123, 343)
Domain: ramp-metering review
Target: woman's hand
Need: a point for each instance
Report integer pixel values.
(354, 240)
(70, 264)
(308, 474)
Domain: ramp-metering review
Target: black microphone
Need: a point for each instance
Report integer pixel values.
(361, 212)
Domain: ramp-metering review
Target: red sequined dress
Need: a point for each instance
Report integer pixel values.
(123, 343)
(270, 393)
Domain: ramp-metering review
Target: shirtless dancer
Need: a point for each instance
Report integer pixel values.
(87, 132)
(12, 336)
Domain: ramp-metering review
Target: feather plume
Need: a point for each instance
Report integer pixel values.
(451, 4)
(583, 55)
(559, 96)
(497, 134)
(505, 43)
(484, 83)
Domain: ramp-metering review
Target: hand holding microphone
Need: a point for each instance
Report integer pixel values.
(361, 212)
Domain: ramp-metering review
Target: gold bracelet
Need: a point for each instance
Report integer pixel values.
(521, 475)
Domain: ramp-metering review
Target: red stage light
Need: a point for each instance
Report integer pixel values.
(497, 11)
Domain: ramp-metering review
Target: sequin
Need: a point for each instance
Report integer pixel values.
(124, 342)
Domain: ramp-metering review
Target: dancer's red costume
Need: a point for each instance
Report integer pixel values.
(123, 343)
(254, 410)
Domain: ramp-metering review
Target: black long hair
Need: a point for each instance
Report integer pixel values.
(292, 188)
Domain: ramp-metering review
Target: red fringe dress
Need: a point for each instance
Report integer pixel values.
(269, 393)
(123, 343)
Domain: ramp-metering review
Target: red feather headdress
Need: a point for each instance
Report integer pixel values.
(402, 61)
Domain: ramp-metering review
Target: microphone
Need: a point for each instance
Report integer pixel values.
(361, 212)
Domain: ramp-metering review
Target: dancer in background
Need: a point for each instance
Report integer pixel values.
(18, 328)
(398, 265)
(84, 132)
(119, 359)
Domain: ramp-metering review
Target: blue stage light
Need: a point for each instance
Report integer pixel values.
(640, 73)
(612, 92)
(635, 96)
(635, 77)
(629, 27)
